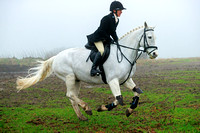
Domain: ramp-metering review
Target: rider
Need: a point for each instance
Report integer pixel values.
(102, 35)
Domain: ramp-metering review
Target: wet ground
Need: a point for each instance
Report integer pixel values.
(166, 83)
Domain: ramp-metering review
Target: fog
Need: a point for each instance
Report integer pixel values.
(32, 27)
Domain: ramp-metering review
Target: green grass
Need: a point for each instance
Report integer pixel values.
(39, 89)
(35, 119)
(170, 103)
(165, 112)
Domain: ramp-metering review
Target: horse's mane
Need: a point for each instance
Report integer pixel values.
(131, 32)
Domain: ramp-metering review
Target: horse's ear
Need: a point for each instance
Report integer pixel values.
(145, 25)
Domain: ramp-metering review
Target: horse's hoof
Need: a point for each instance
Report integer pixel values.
(89, 112)
(83, 118)
(129, 111)
(102, 108)
(99, 109)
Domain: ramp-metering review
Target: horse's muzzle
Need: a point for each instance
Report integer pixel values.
(153, 55)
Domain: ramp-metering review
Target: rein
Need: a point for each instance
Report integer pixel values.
(146, 46)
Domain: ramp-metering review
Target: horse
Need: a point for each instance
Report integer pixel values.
(70, 66)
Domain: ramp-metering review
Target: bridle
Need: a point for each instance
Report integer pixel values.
(146, 47)
(146, 44)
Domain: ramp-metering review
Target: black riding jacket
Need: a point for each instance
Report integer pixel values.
(105, 31)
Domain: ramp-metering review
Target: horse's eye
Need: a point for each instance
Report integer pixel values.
(149, 37)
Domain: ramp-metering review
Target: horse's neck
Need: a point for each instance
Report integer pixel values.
(131, 40)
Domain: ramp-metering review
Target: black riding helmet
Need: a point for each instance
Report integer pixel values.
(116, 5)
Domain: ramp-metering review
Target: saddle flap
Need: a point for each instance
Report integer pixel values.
(104, 56)
(103, 60)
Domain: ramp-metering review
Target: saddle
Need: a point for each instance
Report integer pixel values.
(105, 56)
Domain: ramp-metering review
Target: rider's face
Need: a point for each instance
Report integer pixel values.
(119, 12)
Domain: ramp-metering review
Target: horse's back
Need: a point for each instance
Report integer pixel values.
(64, 61)
(73, 61)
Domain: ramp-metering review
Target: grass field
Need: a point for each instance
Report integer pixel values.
(170, 102)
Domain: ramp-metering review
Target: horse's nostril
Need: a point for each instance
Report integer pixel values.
(154, 54)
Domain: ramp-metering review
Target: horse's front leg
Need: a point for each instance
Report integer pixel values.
(137, 91)
(115, 88)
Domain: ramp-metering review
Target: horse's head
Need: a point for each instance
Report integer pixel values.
(147, 41)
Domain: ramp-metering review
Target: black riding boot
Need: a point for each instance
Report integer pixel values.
(96, 63)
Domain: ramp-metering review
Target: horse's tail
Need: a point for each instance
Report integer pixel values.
(43, 70)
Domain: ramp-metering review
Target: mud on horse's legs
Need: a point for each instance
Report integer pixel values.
(73, 88)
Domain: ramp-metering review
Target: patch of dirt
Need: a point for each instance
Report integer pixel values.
(37, 121)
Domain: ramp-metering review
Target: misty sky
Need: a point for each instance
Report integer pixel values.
(28, 26)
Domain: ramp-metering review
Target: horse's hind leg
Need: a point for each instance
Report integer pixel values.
(73, 88)
(77, 111)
